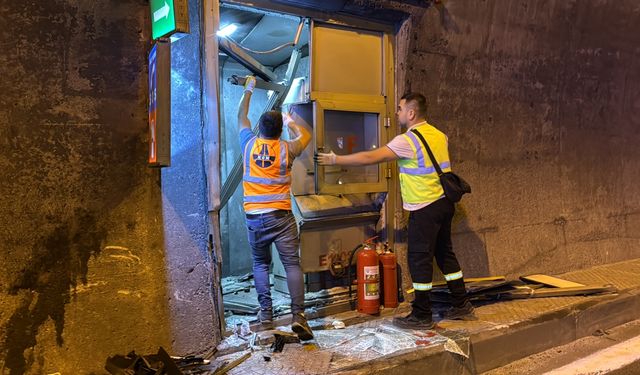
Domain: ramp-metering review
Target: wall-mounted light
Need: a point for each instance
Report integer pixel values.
(227, 30)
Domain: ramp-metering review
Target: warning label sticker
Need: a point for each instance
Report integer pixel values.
(371, 286)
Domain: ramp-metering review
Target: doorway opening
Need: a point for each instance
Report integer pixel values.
(335, 81)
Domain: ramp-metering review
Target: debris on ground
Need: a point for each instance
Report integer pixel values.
(155, 364)
(344, 343)
(278, 344)
(241, 301)
(365, 342)
(551, 281)
(231, 365)
(452, 347)
(531, 286)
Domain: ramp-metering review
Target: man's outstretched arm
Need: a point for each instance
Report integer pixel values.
(379, 155)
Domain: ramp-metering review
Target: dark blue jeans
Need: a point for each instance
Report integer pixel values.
(277, 227)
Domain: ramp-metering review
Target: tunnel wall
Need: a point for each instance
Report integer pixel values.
(101, 255)
(541, 103)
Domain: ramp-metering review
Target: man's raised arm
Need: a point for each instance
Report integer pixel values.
(243, 108)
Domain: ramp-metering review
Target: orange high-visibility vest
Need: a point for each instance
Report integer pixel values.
(267, 178)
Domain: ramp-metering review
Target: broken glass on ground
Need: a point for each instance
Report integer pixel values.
(366, 342)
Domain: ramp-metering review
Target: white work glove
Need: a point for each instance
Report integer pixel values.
(286, 119)
(250, 83)
(325, 159)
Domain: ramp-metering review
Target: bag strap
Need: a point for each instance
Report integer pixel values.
(426, 145)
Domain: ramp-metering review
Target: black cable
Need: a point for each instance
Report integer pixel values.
(349, 271)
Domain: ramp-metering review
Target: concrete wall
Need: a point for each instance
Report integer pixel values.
(99, 256)
(541, 102)
(193, 319)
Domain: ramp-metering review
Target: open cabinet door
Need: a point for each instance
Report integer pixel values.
(351, 114)
(346, 128)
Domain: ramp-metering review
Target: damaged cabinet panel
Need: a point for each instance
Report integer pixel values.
(345, 128)
(330, 228)
(346, 60)
(348, 86)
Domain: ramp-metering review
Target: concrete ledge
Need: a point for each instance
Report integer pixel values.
(624, 308)
(495, 348)
(433, 360)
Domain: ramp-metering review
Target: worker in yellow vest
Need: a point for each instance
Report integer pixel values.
(266, 182)
(430, 212)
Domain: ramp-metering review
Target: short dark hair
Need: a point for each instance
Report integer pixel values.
(270, 124)
(417, 101)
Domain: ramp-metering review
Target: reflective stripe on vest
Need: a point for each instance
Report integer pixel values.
(428, 170)
(266, 177)
(419, 182)
(267, 181)
(266, 198)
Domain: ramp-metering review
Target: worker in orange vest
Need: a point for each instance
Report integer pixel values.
(266, 182)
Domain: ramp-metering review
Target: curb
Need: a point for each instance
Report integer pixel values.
(495, 348)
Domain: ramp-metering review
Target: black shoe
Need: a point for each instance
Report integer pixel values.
(265, 318)
(465, 312)
(412, 322)
(300, 326)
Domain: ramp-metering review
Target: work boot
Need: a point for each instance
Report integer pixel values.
(300, 326)
(413, 322)
(465, 312)
(265, 318)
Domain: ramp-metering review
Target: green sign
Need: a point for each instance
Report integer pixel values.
(163, 18)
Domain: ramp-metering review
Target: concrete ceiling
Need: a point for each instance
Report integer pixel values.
(263, 32)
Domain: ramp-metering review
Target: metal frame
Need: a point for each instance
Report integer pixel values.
(234, 51)
(389, 88)
(210, 97)
(260, 84)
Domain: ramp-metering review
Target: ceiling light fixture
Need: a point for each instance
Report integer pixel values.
(227, 30)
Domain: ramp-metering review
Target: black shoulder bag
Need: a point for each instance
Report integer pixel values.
(453, 185)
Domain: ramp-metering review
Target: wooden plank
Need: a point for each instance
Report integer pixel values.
(552, 292)
(233, 364)
(550, 281)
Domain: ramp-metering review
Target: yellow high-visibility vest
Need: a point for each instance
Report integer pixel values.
(419, 181)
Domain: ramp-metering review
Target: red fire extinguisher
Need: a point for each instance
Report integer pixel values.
(368, 275)
(389, 278)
